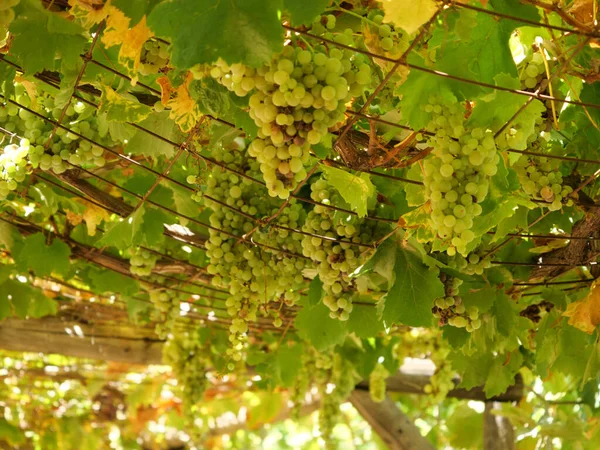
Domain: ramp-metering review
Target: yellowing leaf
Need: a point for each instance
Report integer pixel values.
(93, 216)
(585, 314)
(122, 107)
(184, 110)
(90, 12)
(409, 14)
(131, 40)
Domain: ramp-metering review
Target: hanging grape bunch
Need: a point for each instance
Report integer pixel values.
(336, 260)
(155, 56)
(451, 310)
(457, 173)
(296, 100)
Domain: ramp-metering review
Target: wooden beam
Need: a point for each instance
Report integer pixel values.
(498, 432)
(391, 424)
(414, 383)
(102, 341)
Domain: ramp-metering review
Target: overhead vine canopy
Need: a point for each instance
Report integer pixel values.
(302, 194)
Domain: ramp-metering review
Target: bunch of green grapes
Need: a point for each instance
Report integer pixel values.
(377, 383)
(343, 377)
(451, 310)
(541, 179)
(183, 351)
(253, 275)
(155, 56)
(7, 15)
(336, 260)
(457, 173)
(296, 99)
(65, 146)
(532, 70)
(475, 263)
(142, 262)
(13, 164)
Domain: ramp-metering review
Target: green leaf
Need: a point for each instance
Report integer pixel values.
(315, 291)
(504, 314)
(43, 259)
(142, 143)
(473, 369)
(410, 299)
(10, 433)
(363, 321)
(40, 36)
(315, 325)
(144, 227)
(483, 299)
(24, 300)
(288, 362)
(502, 373)
(355, 190)
(465, 428)
(201, 30)
(103, 281)
(123, 107)
(305, 11)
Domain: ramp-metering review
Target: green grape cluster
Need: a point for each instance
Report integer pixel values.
(335, 260)
(155, 56)
(7, 15)
(253, 275)
(65, 146)
(141, 261)
(377, 383)
(451, 310)
(532, 70)
(184, 353)
(475, 263)
(457, 173)
(296, 99)
(13, 163)
(541, 179)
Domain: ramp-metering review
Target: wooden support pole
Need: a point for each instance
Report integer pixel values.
(498, 432)
(391, 424)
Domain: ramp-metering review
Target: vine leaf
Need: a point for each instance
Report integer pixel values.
(24, 301)
(184, 110)
(144, 226)
(465, 428)
(122, 108)
(40, 36)
(131, 39)
(288, 362)
(104, 281)
(42, 259)
(304, 12)
(363, 321)
(315, 325)
(357, 191)
(585, 314)
(92, 216)
(409, 14)
(200, 30)
(502, 373)
(143, 143)
(410, 299)
(315, 291)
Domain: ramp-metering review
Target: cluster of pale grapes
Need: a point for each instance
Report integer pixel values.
(65, 146)
(451, 310)
(184, 353)
(540, 176)
(335, 260)
(532, 70)
(296, 99)
(7, 15)
(377, 383)
(475, 263)
(13, 163)
(141, 261)
(155, 56)
(457, 173)
(253, 275)
(383, 38)
(343, 377)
